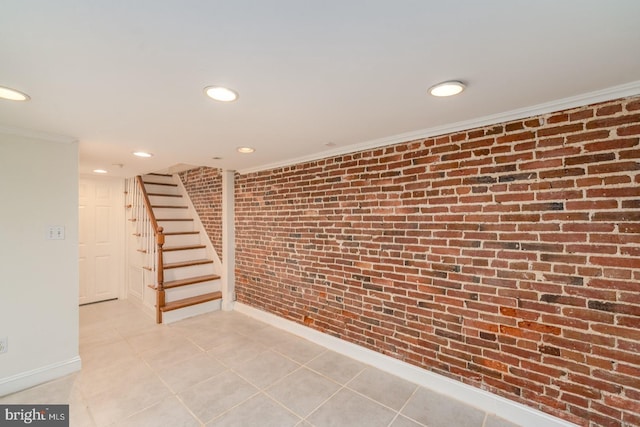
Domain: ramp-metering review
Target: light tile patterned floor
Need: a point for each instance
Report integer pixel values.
(226, 369)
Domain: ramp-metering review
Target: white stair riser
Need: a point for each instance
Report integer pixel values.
(184, 255)
(194, 310)
(189, 291)
(164, 200)
(182, 240)
(164, 189)
(188, 272)
(158, 178)
(175, 226)
(171, 213)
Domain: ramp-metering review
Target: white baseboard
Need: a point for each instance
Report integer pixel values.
(38, 376)
(488, 402)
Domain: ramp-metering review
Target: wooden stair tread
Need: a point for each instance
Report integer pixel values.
(187, 302)
(178, 233)
(182, 248)
(167, 184)
(159, 174)
(190, 281)
(174, 219)
(187, 263)
(168, 207)
(164, 195)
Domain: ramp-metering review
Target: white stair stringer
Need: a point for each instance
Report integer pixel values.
(199, 227)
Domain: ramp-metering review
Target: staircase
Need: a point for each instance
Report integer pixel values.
(180, 266)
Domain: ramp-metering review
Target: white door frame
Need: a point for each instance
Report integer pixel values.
(118, 225)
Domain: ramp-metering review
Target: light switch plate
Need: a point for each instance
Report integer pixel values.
(55, 232)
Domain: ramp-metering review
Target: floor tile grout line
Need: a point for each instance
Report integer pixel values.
(355, 376)
(301, 363)
(301, 367)
(314, 410)
(346, 386)
(175, 391)
(177, 394)
(171, 393)
(207, 354)
(252, 383)
(329, 378)
(184, 405)
(232, 370)
(157, 375)
(395, 417)
(267, 395)
(415, 391)
(484, 421)
(264, 389)
(127, 335)
(233, 407)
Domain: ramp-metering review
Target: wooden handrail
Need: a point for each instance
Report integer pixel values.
(147, 204)
(158, 233)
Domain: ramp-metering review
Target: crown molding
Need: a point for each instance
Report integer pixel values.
(615, 92)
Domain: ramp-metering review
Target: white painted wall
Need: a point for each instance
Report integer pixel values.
(38, 277)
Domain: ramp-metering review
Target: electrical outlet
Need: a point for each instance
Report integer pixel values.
(4, 344)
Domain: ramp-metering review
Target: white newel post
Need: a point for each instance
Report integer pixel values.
(228, 240)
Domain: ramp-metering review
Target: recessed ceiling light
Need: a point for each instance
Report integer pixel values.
(449, 88)
(217, 158)
(220, 93)
(99, 171)
(142, 154)
(12, 94)
(246, 150)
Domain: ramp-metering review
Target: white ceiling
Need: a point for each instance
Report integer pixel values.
(125, 75)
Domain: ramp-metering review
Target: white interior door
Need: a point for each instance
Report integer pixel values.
(101, 231)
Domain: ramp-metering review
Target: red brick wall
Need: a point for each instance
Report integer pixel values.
(506, 257)
(204, 186)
